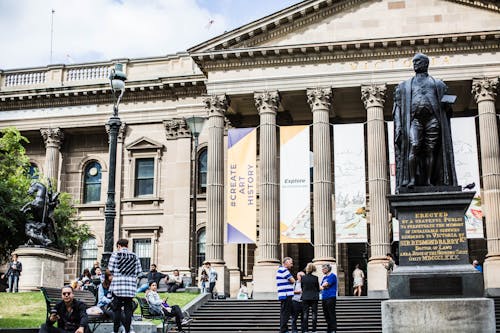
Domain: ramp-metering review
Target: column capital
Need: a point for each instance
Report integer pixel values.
(176, 128)
(53, 137)
(320, 98)
(373, 95)
(267, 101)
(484, 89)
(216, 105)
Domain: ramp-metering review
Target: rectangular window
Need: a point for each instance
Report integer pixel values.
(144, 176)
(142, 248)
(89, 254)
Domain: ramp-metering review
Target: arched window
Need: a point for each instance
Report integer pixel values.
(33, 171)
(202, 171)
(88, 254)
(92, 182)
(200, 247)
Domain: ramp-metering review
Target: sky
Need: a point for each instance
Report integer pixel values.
(101, 30)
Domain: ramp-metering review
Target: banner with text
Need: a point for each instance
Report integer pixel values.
(350, 183)
(295, 210)
(463, 133)
(392, 173)
(241, 186)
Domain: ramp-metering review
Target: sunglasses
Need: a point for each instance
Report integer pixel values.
(66, 294)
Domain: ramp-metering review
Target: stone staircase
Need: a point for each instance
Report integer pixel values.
(354, 314)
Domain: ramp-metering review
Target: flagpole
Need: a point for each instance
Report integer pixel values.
(51, 34)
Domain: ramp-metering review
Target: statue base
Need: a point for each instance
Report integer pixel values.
(433, 252)
(42, 267)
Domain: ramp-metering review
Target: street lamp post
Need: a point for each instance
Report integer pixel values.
(117, 82)
(195, 125)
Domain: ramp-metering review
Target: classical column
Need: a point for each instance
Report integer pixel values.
(53, 138)
(320, 100)
(216, 106)
(267, 104)
(373, 97)
(485, 91)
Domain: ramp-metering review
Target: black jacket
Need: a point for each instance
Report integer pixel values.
(73, 320)
(310, 287)
(154, 276)
(15, 272)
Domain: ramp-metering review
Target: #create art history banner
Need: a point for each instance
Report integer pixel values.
(295, 210)
(241, 186)
(350, 183)
(463, 133)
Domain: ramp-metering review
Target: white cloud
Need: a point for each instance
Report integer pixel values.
(95, 30)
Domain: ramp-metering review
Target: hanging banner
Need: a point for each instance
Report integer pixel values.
(392, 175)
(350, 183)
(241, 186)
(295, 210)
(463, 133)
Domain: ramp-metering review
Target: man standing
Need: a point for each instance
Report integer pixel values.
(124, 266)
(70, 315)
(422, 134)
(13, 274)
(329, 297)
(285, 281)
(153, 276)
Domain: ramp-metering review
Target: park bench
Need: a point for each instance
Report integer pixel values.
(167, 322)
(53, 296)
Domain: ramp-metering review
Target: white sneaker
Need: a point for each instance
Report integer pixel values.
(186, 321)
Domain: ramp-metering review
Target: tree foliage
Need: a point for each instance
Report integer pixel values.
(14, 184)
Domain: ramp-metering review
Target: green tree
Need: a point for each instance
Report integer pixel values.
(14, 184)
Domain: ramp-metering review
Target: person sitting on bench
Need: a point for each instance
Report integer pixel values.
(174, 282)
(159, 307)
(70, 315)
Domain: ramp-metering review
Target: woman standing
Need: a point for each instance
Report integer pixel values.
(13, 274)
(359, 277)
(310, 297)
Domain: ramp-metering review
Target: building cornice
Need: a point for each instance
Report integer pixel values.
(353, 50)
(136, 91)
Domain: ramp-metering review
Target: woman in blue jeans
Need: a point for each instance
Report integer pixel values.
(13, 274)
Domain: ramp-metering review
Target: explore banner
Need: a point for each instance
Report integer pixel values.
(350, 183)
(241, 186)
(295, 182)
(463, 133)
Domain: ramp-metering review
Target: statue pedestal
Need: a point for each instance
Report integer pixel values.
(42, 267)
(433, 252)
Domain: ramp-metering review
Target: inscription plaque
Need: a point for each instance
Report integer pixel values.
(434, 237)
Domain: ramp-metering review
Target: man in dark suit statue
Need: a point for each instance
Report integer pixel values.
(422, 135)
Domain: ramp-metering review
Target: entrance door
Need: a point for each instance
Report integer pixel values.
(357, 253)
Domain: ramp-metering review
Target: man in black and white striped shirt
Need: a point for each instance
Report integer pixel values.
(124, 266)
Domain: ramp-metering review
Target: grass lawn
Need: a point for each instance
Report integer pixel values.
(25, 310)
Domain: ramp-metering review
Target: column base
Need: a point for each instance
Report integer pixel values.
(467, 315)
(42, 267)
(377, 278)
(234, 281)
(222, 284)
(264, 281)
(491, 275)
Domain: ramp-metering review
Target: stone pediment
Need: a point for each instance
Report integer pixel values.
(327, 21)
(144, 143)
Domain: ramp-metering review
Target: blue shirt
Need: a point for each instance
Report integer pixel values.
(331, 290)
(285, 287)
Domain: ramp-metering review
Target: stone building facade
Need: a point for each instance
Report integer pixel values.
(316, 63)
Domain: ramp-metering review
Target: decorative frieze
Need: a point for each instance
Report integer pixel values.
(373, 95)
(176, 128)
(484, 89)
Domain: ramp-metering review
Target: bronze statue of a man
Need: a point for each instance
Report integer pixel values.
(422, 135)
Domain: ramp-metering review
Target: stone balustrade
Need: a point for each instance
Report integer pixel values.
(87, 73)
